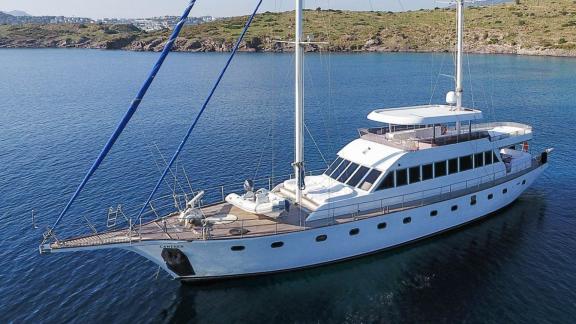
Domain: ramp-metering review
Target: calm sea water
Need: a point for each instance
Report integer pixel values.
(58, 107)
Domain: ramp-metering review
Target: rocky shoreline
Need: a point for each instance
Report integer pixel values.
(256, 45)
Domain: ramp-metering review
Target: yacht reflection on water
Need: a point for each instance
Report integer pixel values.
(409, 283)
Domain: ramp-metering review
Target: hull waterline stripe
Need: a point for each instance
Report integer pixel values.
(133, 107)
(191, 128)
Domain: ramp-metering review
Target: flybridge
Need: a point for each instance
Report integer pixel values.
(425, 115)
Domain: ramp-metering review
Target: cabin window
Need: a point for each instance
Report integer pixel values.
(414, 173)
(523, 182)
(407, 220)
(454, 208)
(490, 196)
(505, 191)
(401, 177)
(238, 248)
(381, 226)
(321, 238)
(354, 231)
(478, 160)
(440, 169)
(388, 181)
(336, 174)
(333, 166)
(427, 172)
(495, 157)
(466, 163)
(452, 166)
(358, 176)
(473, 200)
(348, 172)
(488, 157)
(434, 213)
(370, 179)
(277, 245)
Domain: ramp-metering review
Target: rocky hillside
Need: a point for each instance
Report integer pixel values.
(532, 27)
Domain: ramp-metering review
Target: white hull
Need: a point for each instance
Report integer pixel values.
(214, 259)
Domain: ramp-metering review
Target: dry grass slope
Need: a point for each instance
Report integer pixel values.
(533, 27)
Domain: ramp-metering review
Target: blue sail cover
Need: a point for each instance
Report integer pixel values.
(133, 107)
(193, 125)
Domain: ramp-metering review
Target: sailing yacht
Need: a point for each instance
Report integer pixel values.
(425, 170)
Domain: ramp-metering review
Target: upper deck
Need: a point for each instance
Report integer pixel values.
(424, 115)
(422, 137)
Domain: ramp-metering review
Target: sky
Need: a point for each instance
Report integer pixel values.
(216, 8)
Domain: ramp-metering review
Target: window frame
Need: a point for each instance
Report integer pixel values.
(450, 166)
(405, 171)
(365, 180)
(358, 176)
(445, 170)
(481, 155)
(423, 173)
(382, 184)
(466, 159)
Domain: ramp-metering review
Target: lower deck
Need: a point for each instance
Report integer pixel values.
(226, 221)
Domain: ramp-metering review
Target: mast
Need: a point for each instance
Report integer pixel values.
(459, 56)
(299, 104)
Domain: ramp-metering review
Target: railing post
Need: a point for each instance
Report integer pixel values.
(242, 229)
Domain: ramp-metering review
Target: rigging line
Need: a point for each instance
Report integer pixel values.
(174, 176)
(173, 190)
(262, 151)
(316, 144)
(191, 128)
(133, 107)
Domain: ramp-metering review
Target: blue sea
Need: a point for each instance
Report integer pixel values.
(58, 107)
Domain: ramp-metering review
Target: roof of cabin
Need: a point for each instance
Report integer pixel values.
(424, 115)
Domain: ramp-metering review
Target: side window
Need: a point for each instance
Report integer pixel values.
(495, 158)
(358, 176)
(348, 172)
(427, 173)
(488, 157)
(478, 160)
(452, 166)
(370, 179)
(333, 166)
(466, 163)
(401, 177)
(440, 169)
(414, 174)
(388, 181)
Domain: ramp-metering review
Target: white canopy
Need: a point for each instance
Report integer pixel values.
(424, 115)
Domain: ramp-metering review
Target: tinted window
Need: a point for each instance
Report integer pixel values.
(490, 196)
(465, 163)
(321, 238)
(354, 231)
(414, 174)
(407, 220)
(440, 169)
(401, 177)
(382, 226)
(358, 176)
(434, 213)
(333, 166)
(237, 248)
(478, 160)
(370, 179)
(488, 157)
(388, 181)
(453, 166)
(454, 208)
(495, 158)
(348, 172)
(473, 200)
(339, 169)
(505, 191)
(277, 244)
(427, 172)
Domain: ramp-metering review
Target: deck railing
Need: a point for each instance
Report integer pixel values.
(475, 132)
